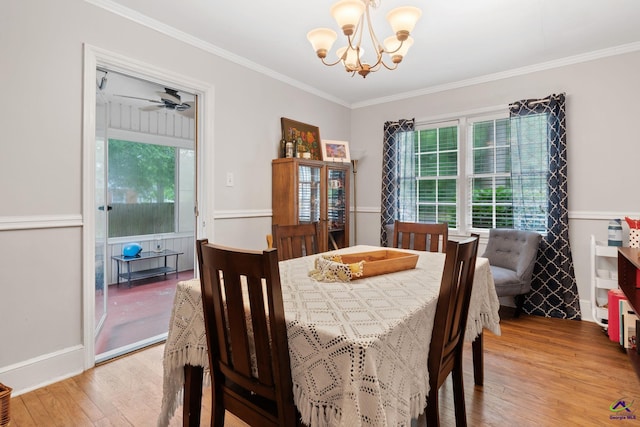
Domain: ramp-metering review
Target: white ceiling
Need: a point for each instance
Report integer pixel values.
(455, 40)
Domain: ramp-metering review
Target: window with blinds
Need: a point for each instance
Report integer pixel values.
(489, 183)
(529, 171)
(495, 178)
(436, 171)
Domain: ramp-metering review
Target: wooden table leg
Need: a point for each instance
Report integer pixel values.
(478, 360)
(192, 396)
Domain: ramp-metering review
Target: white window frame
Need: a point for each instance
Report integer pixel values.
(465, 122)
(468, 172)
(445, 124)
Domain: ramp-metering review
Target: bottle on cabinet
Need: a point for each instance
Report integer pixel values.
(615, 233)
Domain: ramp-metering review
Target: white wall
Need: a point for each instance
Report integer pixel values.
(602, 143)
(41, 46)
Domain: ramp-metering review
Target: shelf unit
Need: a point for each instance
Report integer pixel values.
(148, 272)
(604, 276)
(306, 190)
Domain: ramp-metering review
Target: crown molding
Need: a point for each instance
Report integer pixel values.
(563, 62)
(156, 25)
(167, 30)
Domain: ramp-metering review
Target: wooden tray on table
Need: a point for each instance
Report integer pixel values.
(381, 261)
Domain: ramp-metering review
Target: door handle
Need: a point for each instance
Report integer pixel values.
(101, 208)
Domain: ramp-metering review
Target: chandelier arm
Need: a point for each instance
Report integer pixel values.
(376, 66)
(358, 34)
(374, 40)
(351, 38)
(389, 52)
(330, 64)
(379, 51)
(388, 67)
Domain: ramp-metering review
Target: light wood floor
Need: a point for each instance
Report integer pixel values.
(540, 372)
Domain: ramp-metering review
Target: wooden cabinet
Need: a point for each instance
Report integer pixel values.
(628, 266)
(312, 191)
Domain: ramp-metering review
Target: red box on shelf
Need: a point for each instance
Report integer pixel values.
(613, 328)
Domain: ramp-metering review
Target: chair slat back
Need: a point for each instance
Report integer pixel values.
(246, 333)
(295, 241)
(421, 236)
(447, 339)
(453, 300)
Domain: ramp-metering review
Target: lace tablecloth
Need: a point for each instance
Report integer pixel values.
(358, 349)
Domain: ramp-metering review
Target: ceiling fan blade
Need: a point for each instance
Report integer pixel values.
(141, 99)
(169, 97)
(190, 113)
(152, 107)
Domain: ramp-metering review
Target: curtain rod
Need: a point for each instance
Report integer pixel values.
(536, 102)
(397, 122)
(539, 101)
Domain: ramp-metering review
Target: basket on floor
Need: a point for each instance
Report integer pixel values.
(5, 398)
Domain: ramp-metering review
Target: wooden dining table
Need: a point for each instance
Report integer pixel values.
(358, 349)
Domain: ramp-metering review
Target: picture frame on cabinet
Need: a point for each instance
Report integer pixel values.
(305, 138)
(335, 151)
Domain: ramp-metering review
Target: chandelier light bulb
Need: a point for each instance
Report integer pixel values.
(397, 49)
(322, 39)
(403, 20)
(347, 14)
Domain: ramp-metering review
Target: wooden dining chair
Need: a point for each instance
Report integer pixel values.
(447, 339)
(421, 236)
(246, 336)
(295, 241)
(477, 348)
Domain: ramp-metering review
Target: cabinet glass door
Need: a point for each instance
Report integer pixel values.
(308, 194)
(336, 207)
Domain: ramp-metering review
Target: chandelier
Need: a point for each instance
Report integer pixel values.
(352, 17)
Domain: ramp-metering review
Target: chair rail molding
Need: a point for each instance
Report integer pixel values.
(600, 215)
(27, 222)
(242, 213)
(33, 222)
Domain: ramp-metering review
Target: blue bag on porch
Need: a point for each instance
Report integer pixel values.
(131, 249)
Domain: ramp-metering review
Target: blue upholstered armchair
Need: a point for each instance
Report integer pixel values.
(512, 256)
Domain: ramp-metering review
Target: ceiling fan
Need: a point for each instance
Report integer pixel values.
(169, 99)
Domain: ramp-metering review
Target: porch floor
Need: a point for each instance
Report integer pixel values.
(137, 313)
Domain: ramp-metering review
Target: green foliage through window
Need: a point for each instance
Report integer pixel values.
(482, 214)
(142, 188)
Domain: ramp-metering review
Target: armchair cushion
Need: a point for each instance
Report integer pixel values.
(507, 282)
(512, 256)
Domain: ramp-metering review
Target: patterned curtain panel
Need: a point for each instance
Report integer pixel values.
(554, 292)
(398, 141)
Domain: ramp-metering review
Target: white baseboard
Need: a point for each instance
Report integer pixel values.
(43, 370)
(585, 309)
